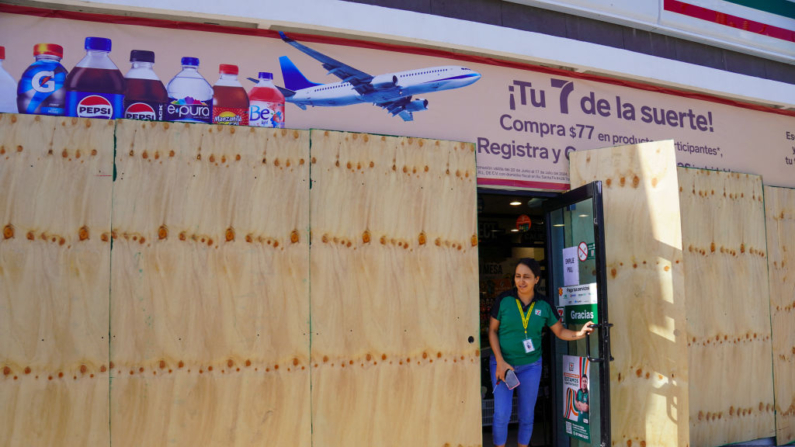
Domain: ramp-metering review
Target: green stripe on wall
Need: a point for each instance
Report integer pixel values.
(778, 7)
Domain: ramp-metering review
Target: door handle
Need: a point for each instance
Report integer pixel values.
(588, 343)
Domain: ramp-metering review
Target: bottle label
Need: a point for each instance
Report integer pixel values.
(266, 114)
(230, 116)
(190, 110)
(40, 91)
(94, 105)
(144, 111)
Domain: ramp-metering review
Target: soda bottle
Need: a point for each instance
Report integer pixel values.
(190, 96)
(41, 89)
(230, 101)
(145, 98)
(8, 88)
(267, 103)
(95, 87)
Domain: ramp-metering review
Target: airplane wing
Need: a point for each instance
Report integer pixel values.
(398, 107)
(358, 79)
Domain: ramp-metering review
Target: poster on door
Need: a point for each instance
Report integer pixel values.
(576, 404)
(579, 304)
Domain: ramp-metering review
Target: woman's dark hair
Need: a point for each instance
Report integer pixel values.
(532, 264)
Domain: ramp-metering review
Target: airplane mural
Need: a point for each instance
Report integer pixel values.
(394, 92)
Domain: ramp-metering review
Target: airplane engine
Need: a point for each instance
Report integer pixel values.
(385, 82)
(417, 105)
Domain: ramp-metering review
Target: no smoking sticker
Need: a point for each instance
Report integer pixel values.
(582, 251)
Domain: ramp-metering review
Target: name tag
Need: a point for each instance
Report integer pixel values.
(528, 346)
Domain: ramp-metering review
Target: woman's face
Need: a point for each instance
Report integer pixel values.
(525, 279)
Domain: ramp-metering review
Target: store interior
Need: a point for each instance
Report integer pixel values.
(510, 227)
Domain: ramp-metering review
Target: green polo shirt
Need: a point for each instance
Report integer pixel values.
(511, 330)
(582, 396)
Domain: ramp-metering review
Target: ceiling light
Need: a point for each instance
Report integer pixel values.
(514, 230)
(516, 203)
(559, 225)
(583, 215)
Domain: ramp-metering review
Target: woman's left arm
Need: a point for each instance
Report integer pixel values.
(569, 335)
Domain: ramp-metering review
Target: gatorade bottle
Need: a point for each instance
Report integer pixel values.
(95, 87)
(145, 98)
(8, 88)
(267, 103)
(41, 89)
(230, 101)
(190, 96)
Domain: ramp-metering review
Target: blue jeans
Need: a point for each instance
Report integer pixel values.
(529, 377)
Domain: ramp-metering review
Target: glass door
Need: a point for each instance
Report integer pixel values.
(578, 286)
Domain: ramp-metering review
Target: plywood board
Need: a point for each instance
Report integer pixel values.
(55, 178)
(645, 286)
(394, 292)
(210, 297)
(780, 212)
(728, 315)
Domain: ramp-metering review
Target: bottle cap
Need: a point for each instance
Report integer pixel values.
(228, 69)
(191, 61)
(48, 48)
(97, 44)
(265, 75)
(142, 56)
(2, 52)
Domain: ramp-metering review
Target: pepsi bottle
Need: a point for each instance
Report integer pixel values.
(95, 87)
(145, 97)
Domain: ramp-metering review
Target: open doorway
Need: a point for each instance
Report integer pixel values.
(510, 227)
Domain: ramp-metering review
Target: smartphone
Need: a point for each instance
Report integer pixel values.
(511, 381)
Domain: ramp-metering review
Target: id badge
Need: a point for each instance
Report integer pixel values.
(528, 346)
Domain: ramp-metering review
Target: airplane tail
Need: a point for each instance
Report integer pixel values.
(293, 78)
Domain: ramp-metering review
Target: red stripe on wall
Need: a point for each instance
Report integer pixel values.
(159, 23)
(729, 20)
(524, 184)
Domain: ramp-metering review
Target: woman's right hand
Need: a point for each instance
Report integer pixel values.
(502, 367)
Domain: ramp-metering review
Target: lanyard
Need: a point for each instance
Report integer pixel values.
(525, 319)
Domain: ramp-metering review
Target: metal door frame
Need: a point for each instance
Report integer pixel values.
(589, 191)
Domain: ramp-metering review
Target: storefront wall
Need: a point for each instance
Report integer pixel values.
(193, 290)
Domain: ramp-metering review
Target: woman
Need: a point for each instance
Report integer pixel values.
(517, 318)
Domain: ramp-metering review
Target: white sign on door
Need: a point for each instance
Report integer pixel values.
(571, 269)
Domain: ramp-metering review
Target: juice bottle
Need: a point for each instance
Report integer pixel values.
(267, 103)
(8, 88)
(190, 96)
(95, 87)
(145, 98)
(230, 101)
(41, 89)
